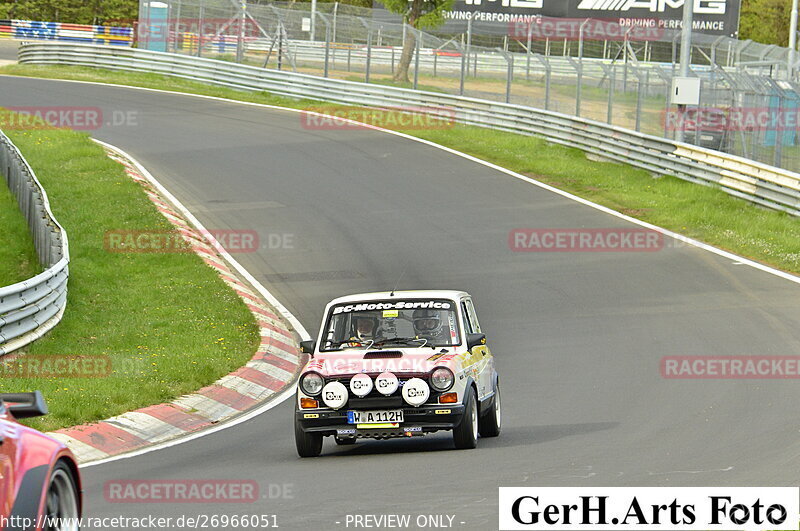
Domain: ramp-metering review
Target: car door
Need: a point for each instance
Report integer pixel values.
(481, 356)
(487, 361)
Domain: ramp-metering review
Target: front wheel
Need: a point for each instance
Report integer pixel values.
(465, 435)
(491, 421)
(308, 444)
(61, 503)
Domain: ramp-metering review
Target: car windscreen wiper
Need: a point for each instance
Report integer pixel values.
(361, 343)
(402, 340)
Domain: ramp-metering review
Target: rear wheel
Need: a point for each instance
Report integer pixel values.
(491, 421)
(61, 504)
(465, 435)
(308, 444)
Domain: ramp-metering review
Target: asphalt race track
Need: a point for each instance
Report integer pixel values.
(578, 336)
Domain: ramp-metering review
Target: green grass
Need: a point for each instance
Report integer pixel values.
(166, 321)
(707, 214)
(18, 259)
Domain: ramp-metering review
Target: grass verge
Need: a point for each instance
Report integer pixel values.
(704, 213)
(165, 323)
(18, 259)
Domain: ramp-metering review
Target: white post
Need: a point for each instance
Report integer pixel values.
(686, 58)
(313, 19)
(242, 21)
(686, 38)
(792, 42)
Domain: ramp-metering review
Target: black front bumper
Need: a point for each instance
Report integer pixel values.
(417, 421)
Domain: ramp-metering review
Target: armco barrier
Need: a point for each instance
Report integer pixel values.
(756, 182)
(31, 308)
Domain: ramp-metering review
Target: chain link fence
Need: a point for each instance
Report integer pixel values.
(593, 68)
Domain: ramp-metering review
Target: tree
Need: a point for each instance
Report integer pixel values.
(766, 21)
(417, 14)
(76, 12)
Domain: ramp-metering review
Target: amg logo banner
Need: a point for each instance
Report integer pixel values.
(650, 508)
(714, 17)
(707, 7)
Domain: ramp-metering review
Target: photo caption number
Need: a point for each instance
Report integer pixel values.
(247, 521)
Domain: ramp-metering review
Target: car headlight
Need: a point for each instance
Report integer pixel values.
(311, 384)
(442, 379)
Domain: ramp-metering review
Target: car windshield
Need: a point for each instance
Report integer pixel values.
(395, 323)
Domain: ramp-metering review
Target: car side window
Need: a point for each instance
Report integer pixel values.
(467, 323)
(473, 319)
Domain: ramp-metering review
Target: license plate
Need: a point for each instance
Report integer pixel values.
(375, 417)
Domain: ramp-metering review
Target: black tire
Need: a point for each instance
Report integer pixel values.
(62, 503)
(345, 441)
(491, 421)
(308, 444)
(465, 435)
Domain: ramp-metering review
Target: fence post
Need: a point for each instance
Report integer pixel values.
(369, 53)
(469, 42)
(200, 24)
(548, 71)
(625, 52)
(177, 27)
(580, 68)
(528, 53)
(280, 45)
(313, 27)
(639, 96)
(510, 77)
(778, 157)
(546, 64)
(418, 35)
(510, 72)
(463, 51)
(327, 46)
(333, 36)
(612, 80)
(240, 38)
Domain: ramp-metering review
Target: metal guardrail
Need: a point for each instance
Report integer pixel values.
(29, 309)
(759, 183)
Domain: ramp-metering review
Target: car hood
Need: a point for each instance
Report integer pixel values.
(398, 361)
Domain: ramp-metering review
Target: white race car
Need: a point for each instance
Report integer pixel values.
(399, 364)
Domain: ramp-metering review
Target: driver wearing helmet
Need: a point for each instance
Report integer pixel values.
(428, 325)
(364, 329)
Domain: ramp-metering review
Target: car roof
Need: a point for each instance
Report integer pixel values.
(409, 294)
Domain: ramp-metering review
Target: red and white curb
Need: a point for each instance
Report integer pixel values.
(272, 369)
